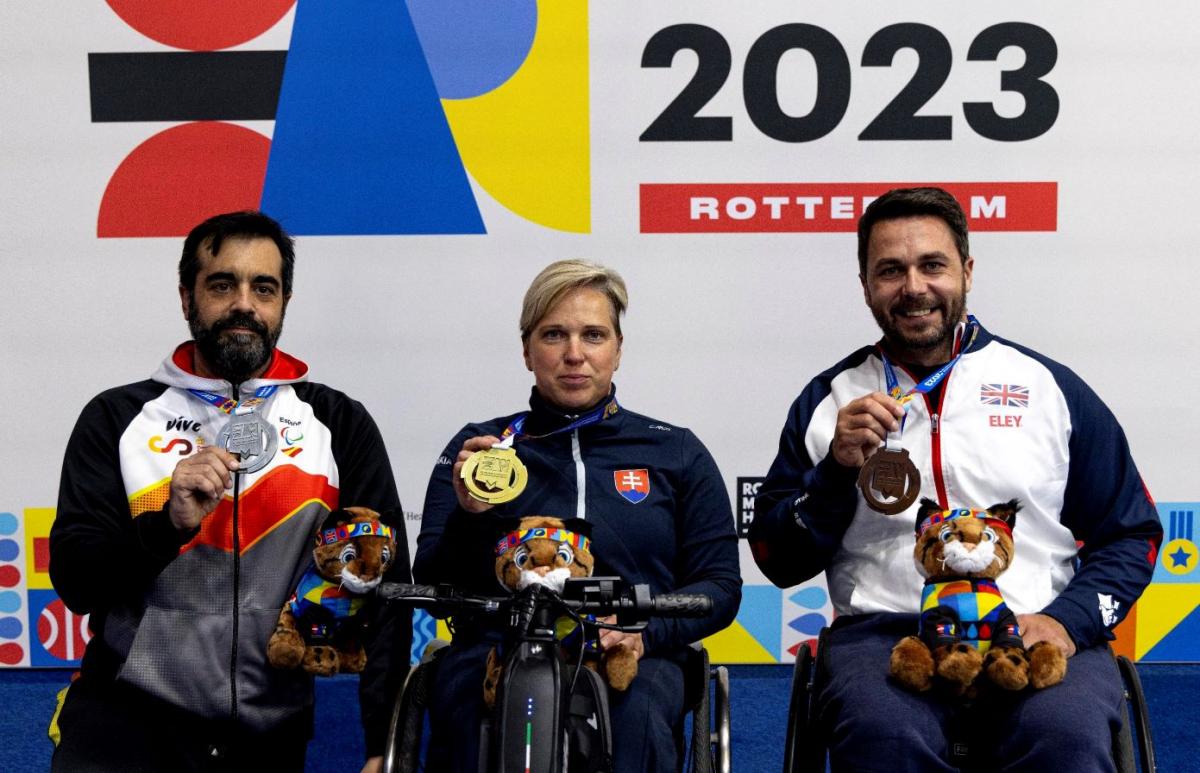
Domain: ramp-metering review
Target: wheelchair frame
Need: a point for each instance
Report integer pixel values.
(534, 661)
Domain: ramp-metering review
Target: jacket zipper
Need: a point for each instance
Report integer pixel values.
(237, 571)
(580, 476)
(935, 441)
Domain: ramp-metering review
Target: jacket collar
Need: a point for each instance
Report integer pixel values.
(982, 339)
(546, 417)
(178, 370)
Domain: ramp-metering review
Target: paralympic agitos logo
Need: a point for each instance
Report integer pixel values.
(380, 111)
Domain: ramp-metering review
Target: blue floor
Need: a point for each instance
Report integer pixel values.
(759, 705)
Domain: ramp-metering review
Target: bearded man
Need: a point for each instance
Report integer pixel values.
(186, 515)
(983, 420)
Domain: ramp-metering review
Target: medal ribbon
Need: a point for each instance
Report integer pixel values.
(242, 418)
(964, 337)
(236, 407)
(513, 431)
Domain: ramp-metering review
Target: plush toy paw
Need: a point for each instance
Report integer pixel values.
(352, 661)
(1007, 667)
(285, 648)
(1047, 665)
(321, 660)
(620, 667)
(912, 664)
(491, 678)
(958, 665)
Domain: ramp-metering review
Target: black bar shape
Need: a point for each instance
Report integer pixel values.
(185, 85)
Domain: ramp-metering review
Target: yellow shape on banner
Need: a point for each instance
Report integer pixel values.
(38, 521)
(527, 141)
(736, 645)
(443, 630)
(1162, 607)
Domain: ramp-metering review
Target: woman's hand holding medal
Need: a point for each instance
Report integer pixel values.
(469, 449)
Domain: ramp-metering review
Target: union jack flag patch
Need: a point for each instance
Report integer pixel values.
(1004, 394)
(633, 485)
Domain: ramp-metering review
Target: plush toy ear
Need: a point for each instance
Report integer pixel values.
(579, 526)
(335, 517)
(928, 507)
(1006, 511)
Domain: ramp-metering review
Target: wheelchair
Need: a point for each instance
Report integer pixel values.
(805, 752)
(706, 693)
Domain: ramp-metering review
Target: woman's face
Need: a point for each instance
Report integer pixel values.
(574, 350)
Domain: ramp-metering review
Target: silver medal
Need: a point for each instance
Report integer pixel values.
(251, 439)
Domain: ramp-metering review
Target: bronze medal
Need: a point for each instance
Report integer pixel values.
(494, 475)
(889, 481)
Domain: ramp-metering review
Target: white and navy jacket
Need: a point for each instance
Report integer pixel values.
(1009, 423)
(164, 606)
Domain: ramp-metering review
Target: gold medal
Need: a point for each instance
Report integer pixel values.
(889, 481)
(494, 475)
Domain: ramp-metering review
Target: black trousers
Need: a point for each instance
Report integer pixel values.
(109, 727)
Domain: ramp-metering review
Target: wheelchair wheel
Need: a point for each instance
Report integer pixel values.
(707, 695)
(1135, 726)
(721, 736)
(403, 749)
(801, 752)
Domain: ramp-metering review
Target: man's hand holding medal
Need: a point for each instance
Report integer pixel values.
(862, 426)
(888, 479)
(197, 485)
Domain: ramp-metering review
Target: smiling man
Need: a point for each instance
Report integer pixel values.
(183, 572)
(982, 420)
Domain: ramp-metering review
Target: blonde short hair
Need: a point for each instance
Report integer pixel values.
(561, 277)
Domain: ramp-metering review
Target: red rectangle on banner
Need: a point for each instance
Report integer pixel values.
(831, 207)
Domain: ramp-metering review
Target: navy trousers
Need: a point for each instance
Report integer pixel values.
(874, 724)
(647, 719)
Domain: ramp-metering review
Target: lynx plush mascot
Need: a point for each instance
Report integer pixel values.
(966, 628)
(318, 628)
(542, 551)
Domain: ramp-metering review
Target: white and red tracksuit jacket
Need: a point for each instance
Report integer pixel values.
(1010, 423)
(164, 607)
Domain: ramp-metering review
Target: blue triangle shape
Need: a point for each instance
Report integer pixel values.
(1181, 644)
(361, 143)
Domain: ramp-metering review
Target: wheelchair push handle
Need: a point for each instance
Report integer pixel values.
(682, 605)
(436, 597)
(405, 591)
(610, 595)
(586, 595)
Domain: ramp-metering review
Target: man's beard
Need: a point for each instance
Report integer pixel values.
(940, 337)
(234, 357)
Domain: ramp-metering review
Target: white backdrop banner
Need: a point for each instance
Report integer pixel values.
(433, 155)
